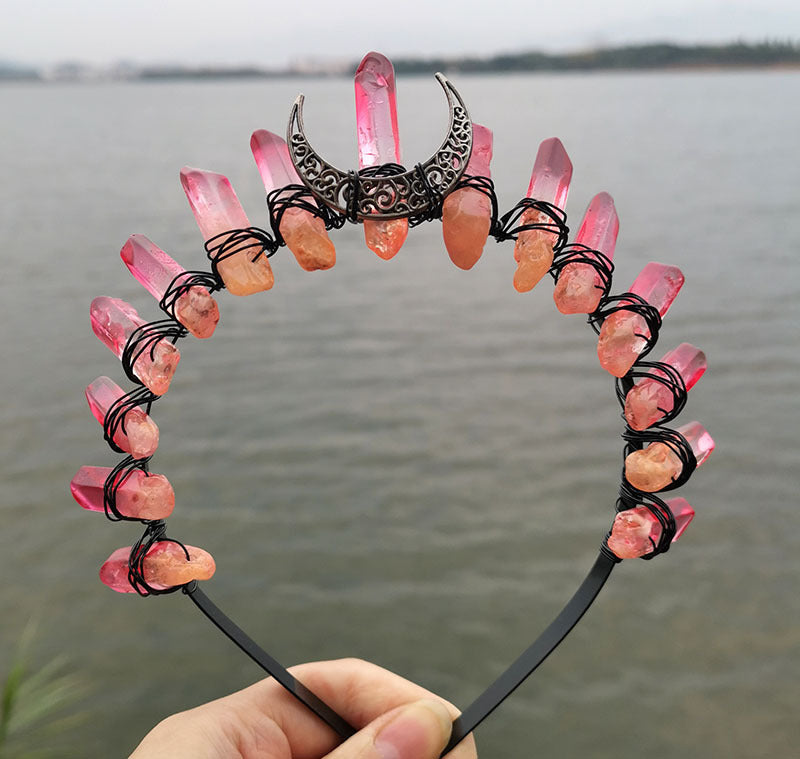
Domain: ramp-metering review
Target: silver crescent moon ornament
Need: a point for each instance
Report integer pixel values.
(385, 197)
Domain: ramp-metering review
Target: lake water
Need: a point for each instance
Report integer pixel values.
(406, 462)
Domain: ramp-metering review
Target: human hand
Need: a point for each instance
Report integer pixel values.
(396, 719)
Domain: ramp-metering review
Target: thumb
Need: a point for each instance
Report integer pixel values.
(419, 730)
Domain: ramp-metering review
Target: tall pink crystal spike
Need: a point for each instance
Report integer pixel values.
(304, 233)
(378, 142)
(655, 467)
(139, 434)
(636, 531)
(139, 496)
(552, 173)
(624, 334)
(113, 321)
(376, 112)
(156, 271)
(659, 285)
(579, 286)
(164, 566)
(217, 210)
(533, 251)
(650, 400)
(467, 212)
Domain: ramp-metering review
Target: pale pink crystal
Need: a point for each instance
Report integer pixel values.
(139, 433)
(650, 400)
(304, 233)
(378, 142)
(533, 251)
(655, 467)
(155, 270)
(113, 321)
(467, 212)
(140, 496)
(624, 334)
(217, 210)
(579, 286)
(636, 531)
(697, 436)
(164, 566)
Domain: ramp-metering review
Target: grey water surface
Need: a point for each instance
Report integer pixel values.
(402, 461)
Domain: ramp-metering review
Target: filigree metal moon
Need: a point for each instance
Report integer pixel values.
(385, 197)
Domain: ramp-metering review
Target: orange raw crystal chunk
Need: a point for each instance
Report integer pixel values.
(164, 566)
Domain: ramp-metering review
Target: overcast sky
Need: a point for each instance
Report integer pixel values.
(275, 33)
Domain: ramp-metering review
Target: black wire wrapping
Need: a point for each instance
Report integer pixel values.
(226, 244)
(182, 284)
(554, 221)
(146, 339)
(666, 375)
(631, 498)
(155, 532)
(115, 480)
(299, 196)
(114, 420)
(576, 253)
(636, 305)
(636, 440)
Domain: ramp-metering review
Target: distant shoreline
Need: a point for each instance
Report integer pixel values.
(657, 57)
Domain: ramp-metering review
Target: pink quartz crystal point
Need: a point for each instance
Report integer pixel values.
(140, 434)
(655, 467)
(636, 531)
(579, 286)
(164, 566)
(533, 251)
(649, 400)
(467, 212)
(379, 142)
(698, 438)
(624, 334)
(217, 210)
(140, 496)
(114, 321)
(156, 271)
(304, 233)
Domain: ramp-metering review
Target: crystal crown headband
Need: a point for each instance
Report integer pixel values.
(306, 198)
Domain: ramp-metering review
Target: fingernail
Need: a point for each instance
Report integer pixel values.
(419, 731)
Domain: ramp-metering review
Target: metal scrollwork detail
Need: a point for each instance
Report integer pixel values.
(395, 196)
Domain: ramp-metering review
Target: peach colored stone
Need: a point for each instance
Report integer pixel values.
(385, 238)
(624, 334)
(579, 286)
(550, 178)
(636, 531)
(652, 468)
(304, 233)
(533, 252)
(649, 401)
(216, 210)
(164, 566)
(113, 322)
(623, 337)
(140, 496)
(139, 435)
(656, 466)
(196, 309)
(467, 212)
